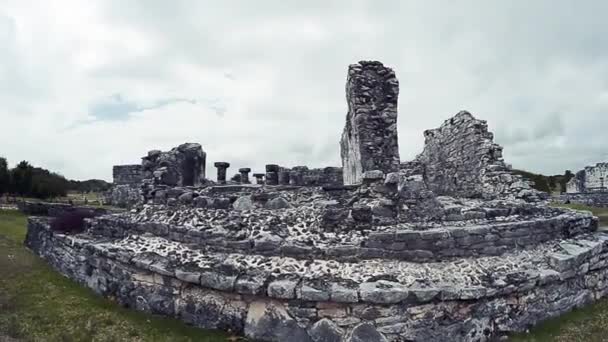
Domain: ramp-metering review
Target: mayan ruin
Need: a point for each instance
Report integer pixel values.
(450, 246)
(588, 187)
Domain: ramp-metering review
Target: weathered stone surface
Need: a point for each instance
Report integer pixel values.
(590, 179)
(278, 203)
(269, 321)
(326, 331)
(365, 332)
(127, 174)
(369, 141)
(283, 288)
(243, 203)
(461, 159)
(222, 168)
(383, 292)
(183, 165)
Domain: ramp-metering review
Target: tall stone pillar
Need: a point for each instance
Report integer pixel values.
(221, 171)
(244, 175)
(284, 176)
(369, 140)
(272, 174)
(259, 178)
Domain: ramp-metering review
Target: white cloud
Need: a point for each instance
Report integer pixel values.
(267, 78)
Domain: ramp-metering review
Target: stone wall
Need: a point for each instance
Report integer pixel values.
(461, 159)
(408, 245)
(127, 174)
(322, 176)
(124, 195)
(590, 179)
(369, 140)
(184, 165)
(326, 309)
(593, 199)
(55, 209)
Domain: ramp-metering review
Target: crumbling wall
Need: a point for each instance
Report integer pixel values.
(461, 159)
(182, 166)
(369, 140)
(320, 176)
(127, 174)
(590, 179)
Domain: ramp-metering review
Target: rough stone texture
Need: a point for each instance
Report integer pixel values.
(182, 166)
(56, 209)
(593, 199)
(369, 140)
(221, 171)
(127, 174)
(124, 195)
(461, 159)
(590, 179)
(162, 277)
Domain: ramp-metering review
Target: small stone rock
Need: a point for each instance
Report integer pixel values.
(278, 203)
(186, 198)
(326, 331)
(243, 203)
(200, 202)
(365, 332)
(373, 176)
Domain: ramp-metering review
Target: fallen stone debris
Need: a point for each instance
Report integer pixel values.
(451, 246)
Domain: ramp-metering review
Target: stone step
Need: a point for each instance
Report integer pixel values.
(369, 281)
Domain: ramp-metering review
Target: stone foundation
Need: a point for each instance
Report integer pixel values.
(312, 304)
(593, 199)
(56, 209)
(127, 174)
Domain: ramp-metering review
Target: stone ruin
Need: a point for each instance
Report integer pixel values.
(450, 246)
(588, 187)
(590, 179)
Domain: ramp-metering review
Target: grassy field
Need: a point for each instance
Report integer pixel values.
(38, 304)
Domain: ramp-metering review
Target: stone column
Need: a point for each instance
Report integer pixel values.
(221, 171)
(259, 178)
(284, 176)
(244, 175)
(294, 178)
(272, 174)
(369, 140)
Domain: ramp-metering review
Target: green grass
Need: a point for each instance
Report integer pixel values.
(589, 324)
(38, 304)
(601, 213)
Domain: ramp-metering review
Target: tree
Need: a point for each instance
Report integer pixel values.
(552, 182)
(5, 178)
(21, 178)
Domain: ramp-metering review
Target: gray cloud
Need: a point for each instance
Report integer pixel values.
(268, 78)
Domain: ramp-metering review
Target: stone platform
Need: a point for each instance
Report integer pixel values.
(257, 273)
(450, 246)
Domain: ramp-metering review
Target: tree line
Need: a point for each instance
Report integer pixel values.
(26, 180)
(550, 184)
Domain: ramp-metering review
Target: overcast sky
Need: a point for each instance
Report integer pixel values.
(85, 85)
